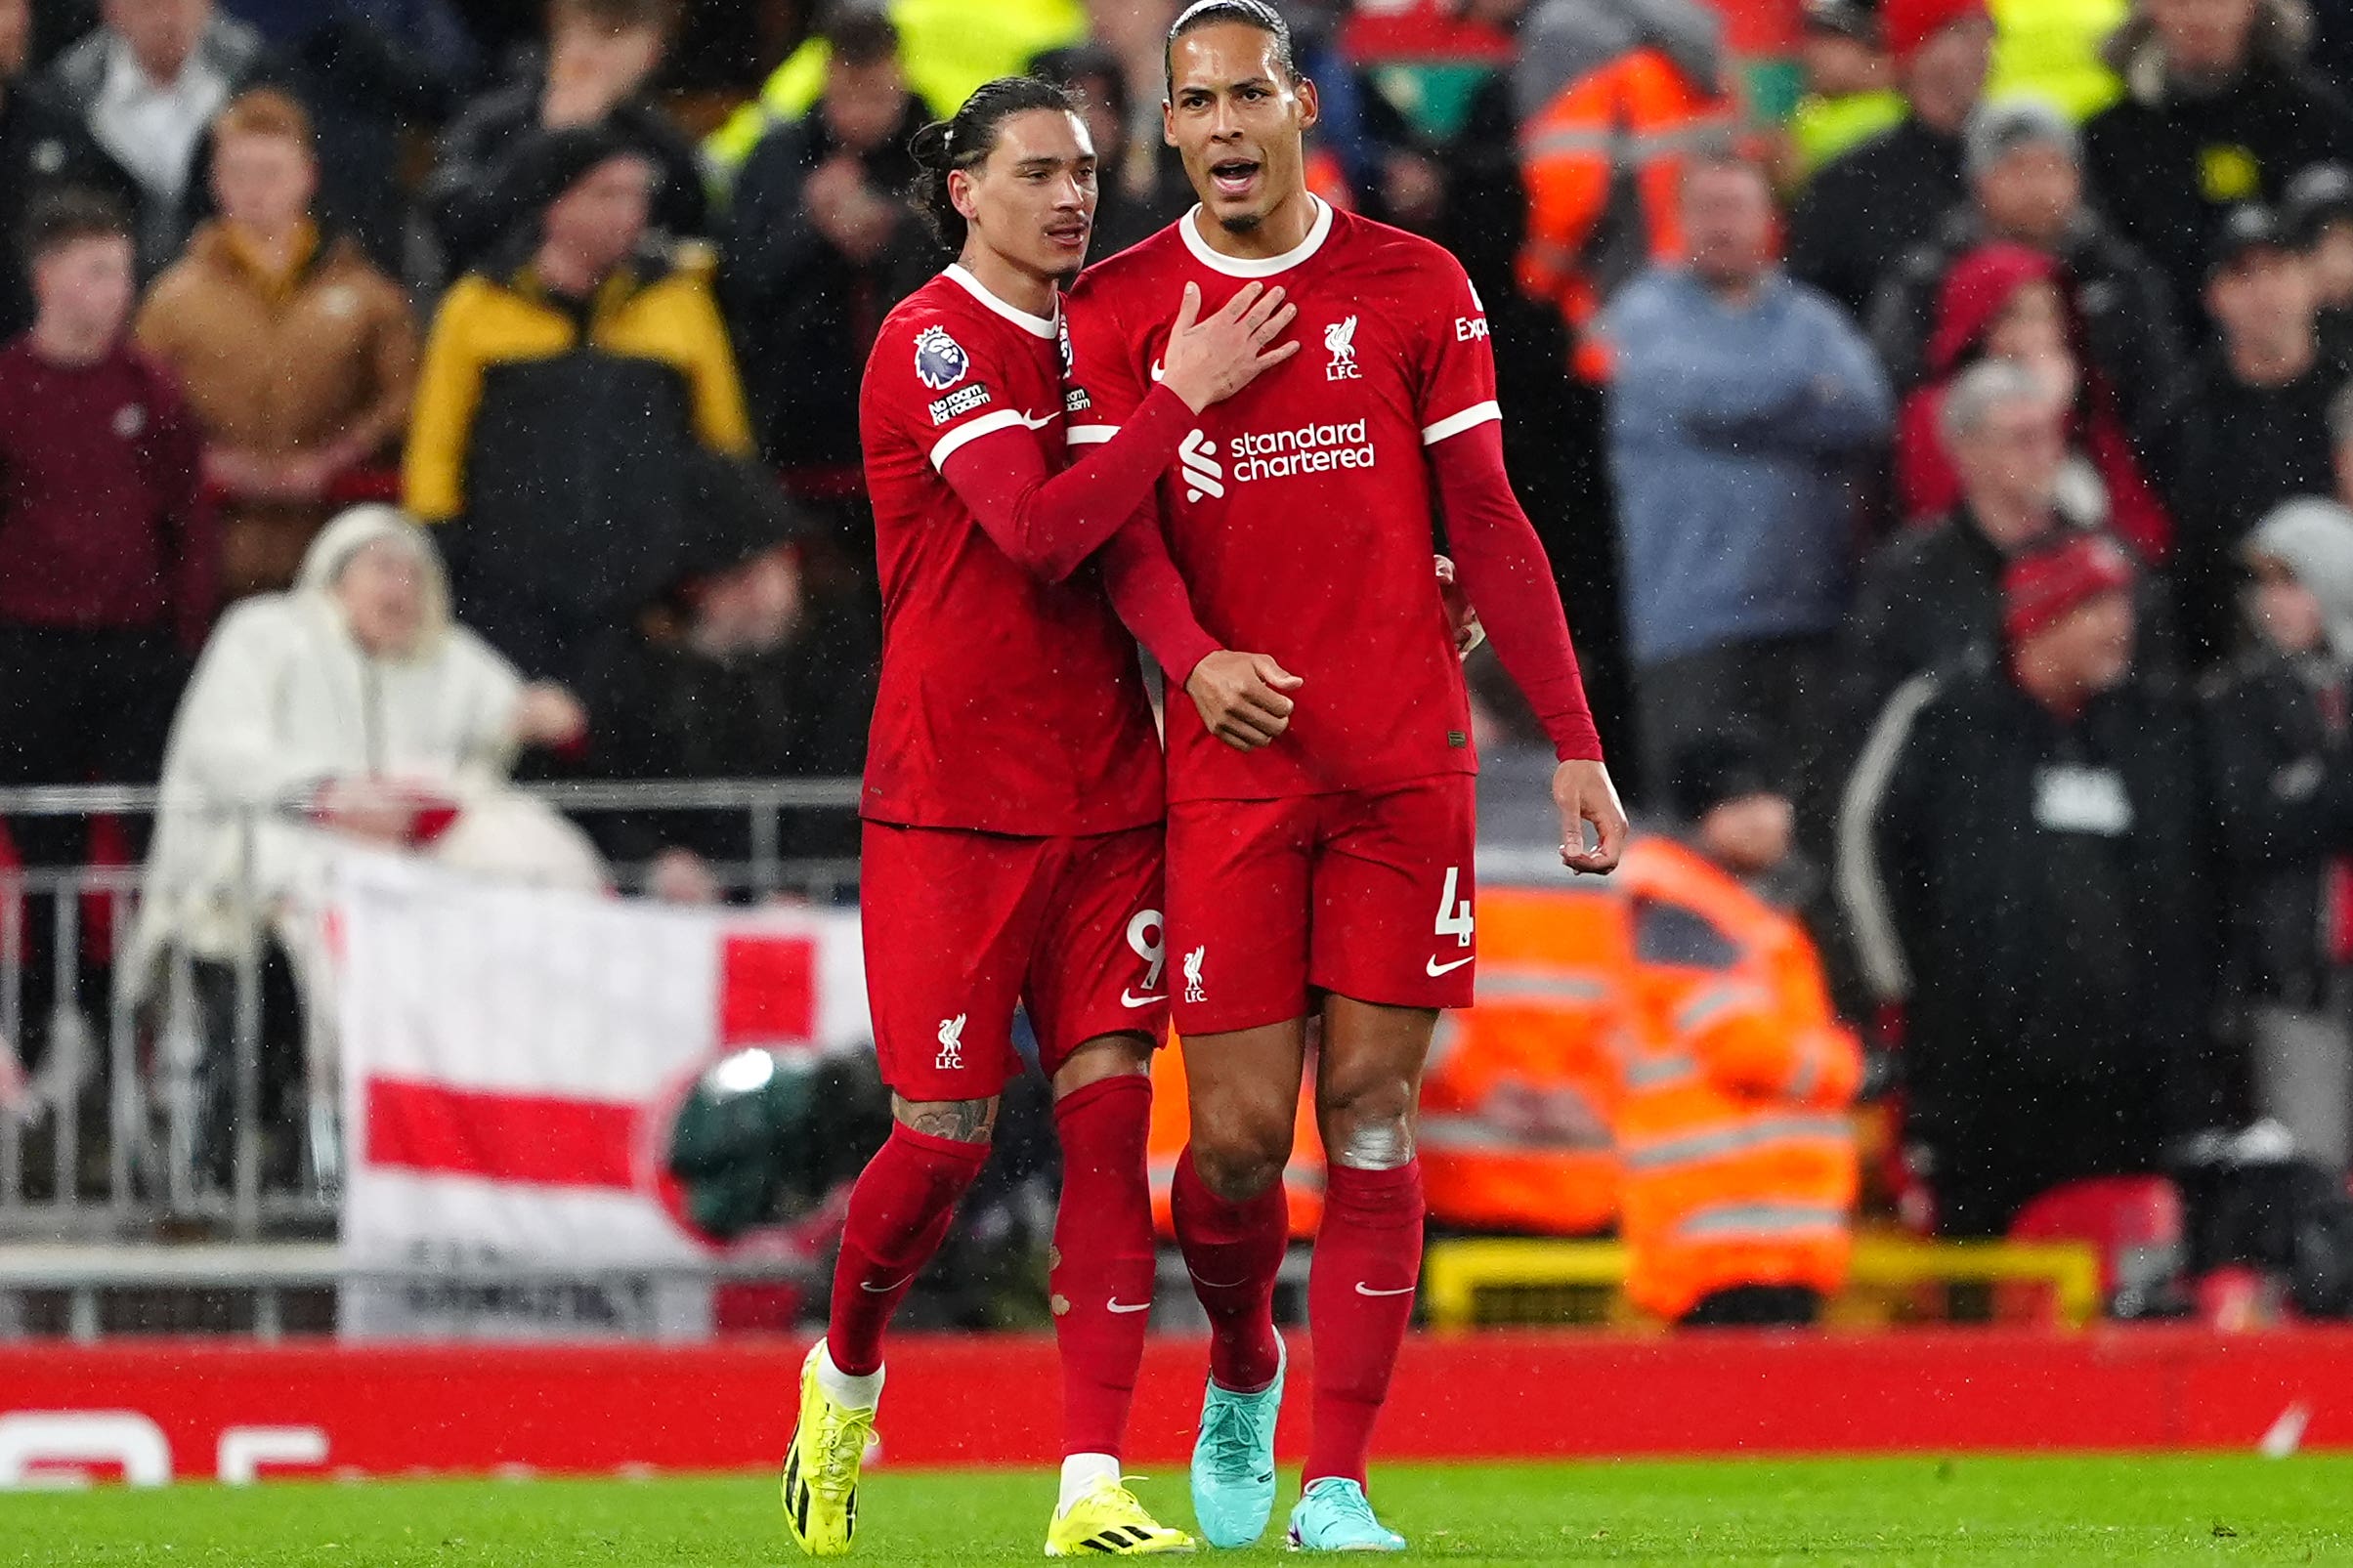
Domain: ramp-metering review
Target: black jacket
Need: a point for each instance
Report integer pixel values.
(2164, 166)
(659, 709)
(2283, 788)
(2127, 305)
(804, 315)
(2225, 455)
(43, 145)
(1866, 208)
(469, 195)
(2041, 893)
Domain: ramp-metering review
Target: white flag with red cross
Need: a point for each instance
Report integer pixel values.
(512, 1062)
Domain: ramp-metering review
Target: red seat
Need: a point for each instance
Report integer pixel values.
(2134, 1222)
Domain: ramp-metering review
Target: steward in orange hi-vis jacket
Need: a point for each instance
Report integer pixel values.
(1613, 97)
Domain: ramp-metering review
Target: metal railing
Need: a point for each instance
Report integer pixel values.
(108, 1140)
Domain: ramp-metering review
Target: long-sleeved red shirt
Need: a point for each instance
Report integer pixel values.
(100, 524)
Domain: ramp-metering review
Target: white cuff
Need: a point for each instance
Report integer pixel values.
(1478, 414)
(951, 444)
(1089, 434)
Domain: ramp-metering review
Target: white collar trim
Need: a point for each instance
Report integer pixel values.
(1037, 326)
(1256, 266)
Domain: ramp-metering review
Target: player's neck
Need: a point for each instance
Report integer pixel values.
(1281, 231)
(1017, 287)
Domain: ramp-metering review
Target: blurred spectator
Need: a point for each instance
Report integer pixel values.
(148, 83)
(2283, 790)
(2026, 188)
(352, 703)
(735, 672)
(1860, 214)
(2249, 426)
(821, 242)
(1739, 1167)
(42, 146)
(566, 384)
(1739, 402)
(2218, 109)
(1612, 98)
(1850, 93)
(601, 54)
(1142, 185)
(105, 560)
(950, 47)
(2025, 861)
(2317, 216)
(2007, 302)
(296, 354)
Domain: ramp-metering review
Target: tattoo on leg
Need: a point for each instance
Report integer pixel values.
(957, 1121)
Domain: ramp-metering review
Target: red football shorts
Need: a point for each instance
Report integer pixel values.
(961, 926)
(1366, 895)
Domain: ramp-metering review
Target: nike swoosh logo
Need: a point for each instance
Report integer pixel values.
(1156, 370)
(1364, 1289)
(1118, 1305)
(1039, 423)
(1129, 998)
(883, 1290)
(1437, 968)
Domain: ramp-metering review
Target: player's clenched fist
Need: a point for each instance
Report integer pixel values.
(1209, 361)
(1240, 698)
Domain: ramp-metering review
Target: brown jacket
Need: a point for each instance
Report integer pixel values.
(322, 360)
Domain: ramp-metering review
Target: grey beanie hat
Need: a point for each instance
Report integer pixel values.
(1997, 130)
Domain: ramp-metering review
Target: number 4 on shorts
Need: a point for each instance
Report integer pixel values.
(1454, 918)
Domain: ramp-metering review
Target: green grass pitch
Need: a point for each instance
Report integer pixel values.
(1970, 1509)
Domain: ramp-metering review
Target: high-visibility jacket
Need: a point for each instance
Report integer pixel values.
(946, 48)
(1602, 163)
(1517, 1102)
(1737, 1156)
(1172, 1125)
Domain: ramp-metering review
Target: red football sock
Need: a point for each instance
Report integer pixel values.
(1368, 1260)
(898, 1213)
(1101, 1277)
(1233, 1252)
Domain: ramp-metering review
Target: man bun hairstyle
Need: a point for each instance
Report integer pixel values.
(966, 138)
(1211, 13)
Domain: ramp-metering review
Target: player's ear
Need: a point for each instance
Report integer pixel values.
(1168, 123)
(959, 194)
(1311, 107)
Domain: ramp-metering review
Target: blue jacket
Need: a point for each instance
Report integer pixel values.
(1731, 434)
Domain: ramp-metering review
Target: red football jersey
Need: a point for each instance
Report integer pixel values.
(1301, 510)
(1006, 704)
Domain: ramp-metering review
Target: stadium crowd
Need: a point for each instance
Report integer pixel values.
(1939, 414)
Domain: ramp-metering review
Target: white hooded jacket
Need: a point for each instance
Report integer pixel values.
(283, 701)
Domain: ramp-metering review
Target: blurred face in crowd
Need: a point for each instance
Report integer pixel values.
(2031, 327)
(263, 183)
(863, 104)
(2264, 304)
(83, 289)
(382, 591)
(1032, 200)
(1239, 122)
(2203, 37)
(1748, 836)
(1946, 75)
(16, 37)
(608, 63)
(2087, 651)
(1838, 63)
(2286, 613)
(602, 218)
(1728, 224)
(752, 608)
(161, 33)
(2009, 464)
(2330, 258)
(2030, 193)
